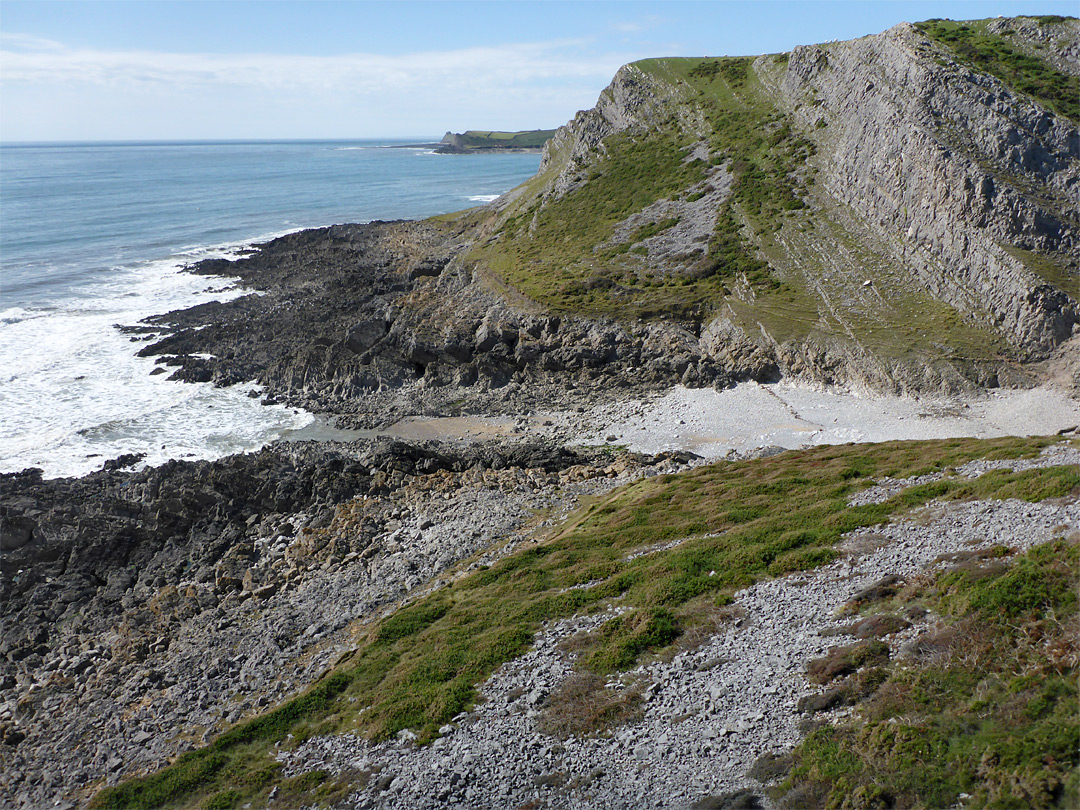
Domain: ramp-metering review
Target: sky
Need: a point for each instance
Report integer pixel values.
(159, 70)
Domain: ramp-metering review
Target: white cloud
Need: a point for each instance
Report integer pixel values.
(29, 60)
(53, 92)
(28, 42)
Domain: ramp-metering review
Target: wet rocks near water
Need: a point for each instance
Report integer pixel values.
(349, 318)
(153, 609)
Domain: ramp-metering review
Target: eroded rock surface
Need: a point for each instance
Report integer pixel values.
(153, 609)
(708, 714)
(145, 611)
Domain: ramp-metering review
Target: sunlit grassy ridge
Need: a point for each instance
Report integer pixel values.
(768, 260)
(999, 56)
(548, 248)
(477, 139)
(991, 711)
(737, 522)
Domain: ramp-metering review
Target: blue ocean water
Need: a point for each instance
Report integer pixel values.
(95, 235)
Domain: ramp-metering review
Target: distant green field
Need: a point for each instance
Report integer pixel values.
(478, 139)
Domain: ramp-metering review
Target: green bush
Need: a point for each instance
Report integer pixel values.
(990, 713)
(994, 55)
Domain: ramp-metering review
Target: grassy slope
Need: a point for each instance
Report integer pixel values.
(989, 709)
(548, 251)
(772, 258)
(419, 667)
(1000, 56)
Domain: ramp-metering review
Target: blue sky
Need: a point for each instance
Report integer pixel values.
(178, 70)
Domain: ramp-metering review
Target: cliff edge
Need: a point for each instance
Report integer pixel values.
(898, 210)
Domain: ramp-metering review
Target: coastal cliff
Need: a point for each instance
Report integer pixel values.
(881, 201)
(374, 622)
(876, 214)
(491, 142)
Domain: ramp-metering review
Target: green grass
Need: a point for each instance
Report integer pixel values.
(991, 712)
(554, 262)
(767, 159)
(766, 156)
(548, 251)
(1067, 279)
(419, 667)
(974, 45)
(477, 139)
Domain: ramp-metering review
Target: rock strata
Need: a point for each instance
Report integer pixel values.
(152, 608)
(350, 317)
(947, 182)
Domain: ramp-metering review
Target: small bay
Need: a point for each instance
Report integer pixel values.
(95, 235)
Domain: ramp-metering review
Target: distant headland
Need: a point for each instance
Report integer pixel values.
(490, 142)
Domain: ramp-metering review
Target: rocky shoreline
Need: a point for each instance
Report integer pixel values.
(147, 610)
(375, 322)
(155, 608)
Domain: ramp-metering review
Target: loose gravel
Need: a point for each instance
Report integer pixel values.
(710, 712)
(750, 416)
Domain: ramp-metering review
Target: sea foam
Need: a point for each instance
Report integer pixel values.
(74, 393)
(95, 235)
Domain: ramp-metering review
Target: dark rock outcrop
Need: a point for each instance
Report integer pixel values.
(343, 316)
(153, 608)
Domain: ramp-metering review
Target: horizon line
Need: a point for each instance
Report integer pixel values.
(419, 139)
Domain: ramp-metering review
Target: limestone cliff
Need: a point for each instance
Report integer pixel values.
(897, 212)
(923, 227)
(951, 170)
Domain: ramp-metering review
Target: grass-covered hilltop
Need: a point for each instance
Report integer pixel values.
(908, 197)
(488, 141)
(498, 606)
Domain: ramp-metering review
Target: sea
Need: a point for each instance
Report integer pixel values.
(98, 235)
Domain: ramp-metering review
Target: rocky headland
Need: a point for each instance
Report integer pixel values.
(476, 142)
(524, 617)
